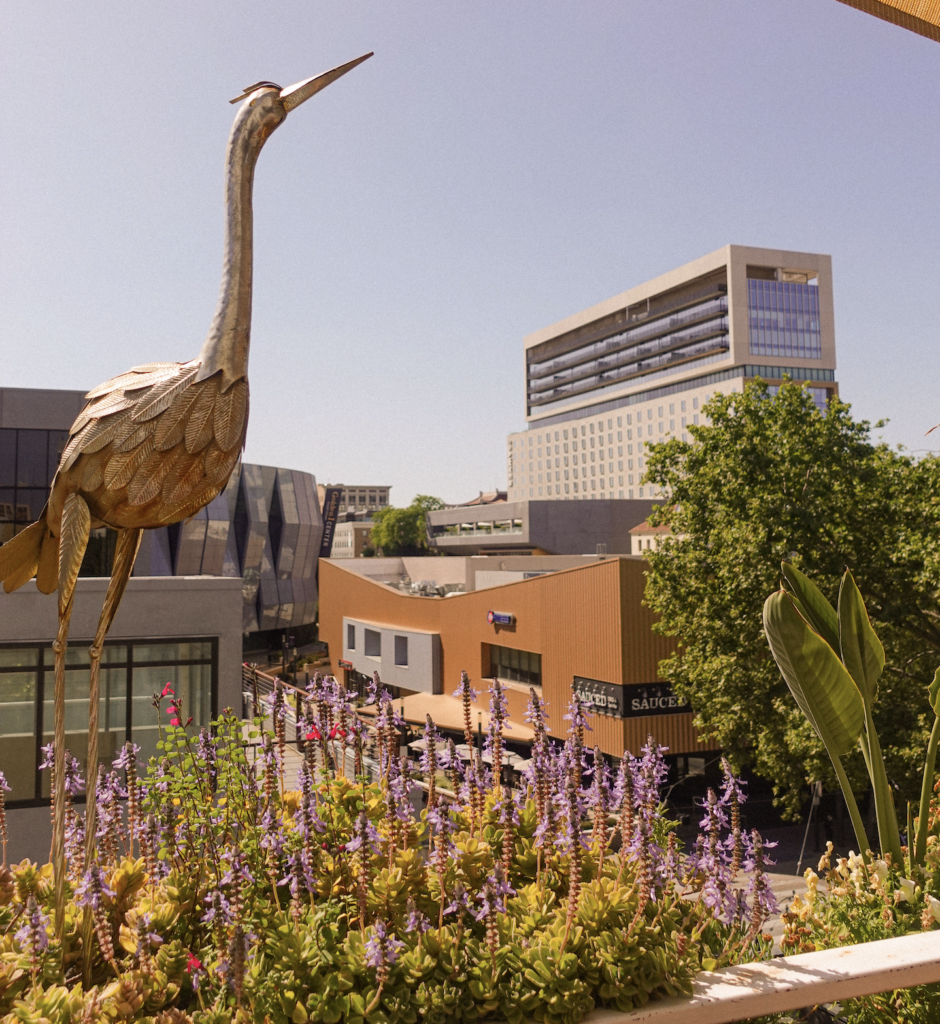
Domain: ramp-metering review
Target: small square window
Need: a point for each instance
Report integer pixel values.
(350, 637)
(401, 650)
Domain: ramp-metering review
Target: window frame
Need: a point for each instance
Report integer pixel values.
(41, 670)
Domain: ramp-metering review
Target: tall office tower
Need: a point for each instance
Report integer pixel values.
(636, 369)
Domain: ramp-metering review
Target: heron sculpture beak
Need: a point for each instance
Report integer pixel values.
(294, 95)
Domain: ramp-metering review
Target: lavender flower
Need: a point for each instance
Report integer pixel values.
(365, 835)
(32, 935)
(381, 951)
(206, 752)
(4, 788)
(415, 921)
(499, 720)
(90, 893)
(466, 694)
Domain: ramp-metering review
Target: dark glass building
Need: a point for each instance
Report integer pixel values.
(265, 527)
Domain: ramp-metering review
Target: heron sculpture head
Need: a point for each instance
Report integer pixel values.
(265, 105)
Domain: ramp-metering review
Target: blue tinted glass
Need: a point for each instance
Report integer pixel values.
(57, 441)
(29, 504)
(31, 458)
(7, 457)
(784, 319)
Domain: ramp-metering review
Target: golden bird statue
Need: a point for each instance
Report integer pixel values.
(152, 446)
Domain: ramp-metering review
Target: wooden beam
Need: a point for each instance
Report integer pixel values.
(794, 982)
(920, 16)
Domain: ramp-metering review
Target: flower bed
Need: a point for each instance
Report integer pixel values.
(225, 892)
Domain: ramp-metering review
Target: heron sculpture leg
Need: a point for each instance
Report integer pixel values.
(73, 540)
(128, 543)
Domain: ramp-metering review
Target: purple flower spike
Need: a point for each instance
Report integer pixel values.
(382, 949)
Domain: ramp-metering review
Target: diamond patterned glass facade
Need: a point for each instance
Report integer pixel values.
(265, 526)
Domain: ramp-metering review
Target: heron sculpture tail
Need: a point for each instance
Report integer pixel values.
(32, 552)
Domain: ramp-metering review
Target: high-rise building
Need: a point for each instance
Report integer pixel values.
(636, 369)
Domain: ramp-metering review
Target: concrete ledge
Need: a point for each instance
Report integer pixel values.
(791, 983)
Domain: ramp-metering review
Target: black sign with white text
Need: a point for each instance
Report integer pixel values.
(632, 701)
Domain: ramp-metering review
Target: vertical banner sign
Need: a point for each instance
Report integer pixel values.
(330, 511)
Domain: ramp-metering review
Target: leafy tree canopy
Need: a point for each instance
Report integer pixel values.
(772, 478)
(403, 531)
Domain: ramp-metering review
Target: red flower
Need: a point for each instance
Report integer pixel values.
(336, 731)
(171, 710)
(314, 734)
(174, 721)
(193, 964)
(168, 689)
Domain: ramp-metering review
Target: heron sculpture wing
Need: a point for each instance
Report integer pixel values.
(154, 445)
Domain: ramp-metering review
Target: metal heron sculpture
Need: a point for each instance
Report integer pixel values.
(152, 446)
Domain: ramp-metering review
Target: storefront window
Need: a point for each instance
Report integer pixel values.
(27, 687)
(516, 666)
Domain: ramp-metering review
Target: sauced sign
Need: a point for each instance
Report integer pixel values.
(629, 701)
(653, 699)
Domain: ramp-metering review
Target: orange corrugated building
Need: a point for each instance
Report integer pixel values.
(583, 628)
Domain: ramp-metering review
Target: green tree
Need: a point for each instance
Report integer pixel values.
(403, 531)
(770, 479)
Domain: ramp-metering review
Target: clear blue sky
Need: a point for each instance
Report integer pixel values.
(495, 167)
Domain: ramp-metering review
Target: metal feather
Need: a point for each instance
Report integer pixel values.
(163, 394)
(100, 434)
(148, 367)
(187, 474)
(148, 480)
(93, 471)
(172, 424)
(21, 555)
(230, 412)
(47, 572)
(73, 540)
(136, 437)
(199, 427)
(123, 465)
(219, 465)
(130, 381)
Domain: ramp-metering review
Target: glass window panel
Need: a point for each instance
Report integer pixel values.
(58, 439)
(7, 457)
(112, 715)
(31, 458)
(7, 503)
(18, 733)
(18, 657)
(77, 654)
(197, 650)
(193, 686)
(29, 503)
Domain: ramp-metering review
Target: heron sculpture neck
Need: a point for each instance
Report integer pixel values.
(226, 346)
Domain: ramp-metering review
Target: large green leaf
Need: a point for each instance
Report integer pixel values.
(812, 603)
(819, 682)
(862, 652)
(934, 693)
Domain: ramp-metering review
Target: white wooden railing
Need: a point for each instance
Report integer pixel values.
(794, 982)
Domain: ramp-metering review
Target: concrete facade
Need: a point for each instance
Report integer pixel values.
(155, 609)
(350, 539)
(542, 527)
(636, 369)
(407, 658)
